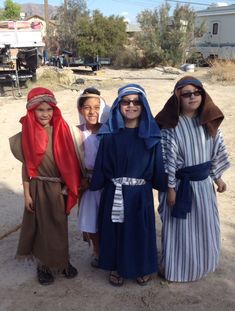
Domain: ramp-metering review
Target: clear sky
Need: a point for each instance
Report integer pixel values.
(127, 8)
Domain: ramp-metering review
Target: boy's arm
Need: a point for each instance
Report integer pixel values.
(27, 197)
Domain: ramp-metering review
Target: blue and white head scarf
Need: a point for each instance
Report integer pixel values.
(148, 128)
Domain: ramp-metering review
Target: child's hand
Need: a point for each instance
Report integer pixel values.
(85, 183)
(64, 190)
(29, 203)
(221, 185)
(170, 197)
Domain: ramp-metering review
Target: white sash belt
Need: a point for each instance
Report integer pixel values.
(118, 202)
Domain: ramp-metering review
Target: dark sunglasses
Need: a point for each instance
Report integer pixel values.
(189, 94)
(126, 102)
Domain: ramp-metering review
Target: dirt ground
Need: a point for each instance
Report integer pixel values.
(19, 289)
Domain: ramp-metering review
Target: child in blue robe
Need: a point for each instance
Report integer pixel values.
(128, 165)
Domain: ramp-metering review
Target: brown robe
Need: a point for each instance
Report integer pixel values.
(44, 233)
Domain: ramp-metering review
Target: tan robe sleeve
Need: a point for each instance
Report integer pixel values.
(16, 148)
(79, 146)
(24, 174)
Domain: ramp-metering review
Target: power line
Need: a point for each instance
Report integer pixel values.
(137, 3)
(155, 3)
(187, 2)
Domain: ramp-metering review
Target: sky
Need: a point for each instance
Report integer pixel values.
(127, 8)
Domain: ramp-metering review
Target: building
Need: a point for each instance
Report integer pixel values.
(219, 39)
(40, 21)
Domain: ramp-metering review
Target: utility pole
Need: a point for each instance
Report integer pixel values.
(65, 9)
(65, 5)
(46, 16)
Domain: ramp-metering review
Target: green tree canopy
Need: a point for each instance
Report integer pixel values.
(90, 33)
(166, 39)
(11, 11)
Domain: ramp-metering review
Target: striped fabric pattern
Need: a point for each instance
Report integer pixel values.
(191, 247)
(118, 201)
(40, 99)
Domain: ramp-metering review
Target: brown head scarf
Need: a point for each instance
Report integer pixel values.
(210, 115)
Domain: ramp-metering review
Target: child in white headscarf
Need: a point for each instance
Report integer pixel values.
(92, 113)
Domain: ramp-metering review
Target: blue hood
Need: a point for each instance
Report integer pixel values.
(148, 128)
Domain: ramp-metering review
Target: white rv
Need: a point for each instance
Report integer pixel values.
(219, 39)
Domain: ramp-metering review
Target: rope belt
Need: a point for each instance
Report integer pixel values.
(118, 202)
(45, 178)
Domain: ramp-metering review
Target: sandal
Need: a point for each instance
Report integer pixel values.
(143, 280)
(44, 275)
(70, 272)
(95, 262)
(115, 279)
(161, 274)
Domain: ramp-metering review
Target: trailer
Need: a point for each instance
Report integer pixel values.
(21, 47)
(89, 61)
(218, 41)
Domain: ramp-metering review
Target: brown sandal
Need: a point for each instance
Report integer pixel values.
(143, 280)
(115, 279)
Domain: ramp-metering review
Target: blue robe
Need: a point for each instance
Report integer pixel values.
(129, 247)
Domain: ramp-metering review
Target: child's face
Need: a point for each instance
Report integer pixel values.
(190, 100)
(44, 114)
(131, 107)
(90, 110)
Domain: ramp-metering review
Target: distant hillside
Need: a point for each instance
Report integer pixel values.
(38, 9)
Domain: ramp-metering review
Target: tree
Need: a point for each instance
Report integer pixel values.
(72, 19)
(90, 33)
(105, 36)
(166, 39)
(11, 11)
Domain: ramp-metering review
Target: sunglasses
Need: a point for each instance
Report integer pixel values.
(189, 94)
(126, 102)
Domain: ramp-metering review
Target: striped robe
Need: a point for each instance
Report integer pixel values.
(191, 247)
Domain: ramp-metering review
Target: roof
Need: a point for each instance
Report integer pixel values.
(132, 27)
(217, 10)
(34, 16)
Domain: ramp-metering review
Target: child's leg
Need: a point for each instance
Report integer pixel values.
(95, 241)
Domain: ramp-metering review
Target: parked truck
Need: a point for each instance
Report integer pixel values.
(21, 44)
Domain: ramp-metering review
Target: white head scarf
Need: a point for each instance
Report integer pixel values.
(104, 108)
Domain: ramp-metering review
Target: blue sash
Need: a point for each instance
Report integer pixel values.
(183, 203)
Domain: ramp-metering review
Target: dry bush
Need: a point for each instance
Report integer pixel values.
(222, 71)
(55, 76)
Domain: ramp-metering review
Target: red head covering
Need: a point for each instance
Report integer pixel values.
(35, 140)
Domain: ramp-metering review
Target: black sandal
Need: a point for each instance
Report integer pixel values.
(115, 279)
(143, 280)
(44, 275)
(95, 262)
(70, 272)
(161, 274)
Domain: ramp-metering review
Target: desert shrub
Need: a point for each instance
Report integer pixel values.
(128, 59)
(55, 75)
(222, 71)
